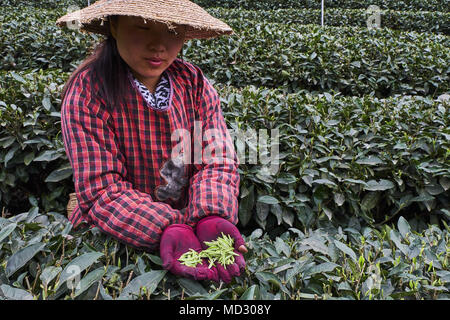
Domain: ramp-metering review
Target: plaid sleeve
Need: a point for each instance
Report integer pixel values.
(104, 195)
(214, 186)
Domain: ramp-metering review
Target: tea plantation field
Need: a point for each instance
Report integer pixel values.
(359, 208)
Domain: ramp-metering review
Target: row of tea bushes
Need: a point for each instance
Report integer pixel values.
(42, 258)
(47, 4)
(409, 5)
(354, 61)
(343, 156)
(420, 21)
(33, 161)
(340, 156)
(400, 5)
(350, 60)
(29, 38)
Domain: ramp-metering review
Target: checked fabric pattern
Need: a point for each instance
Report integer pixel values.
(117, 157)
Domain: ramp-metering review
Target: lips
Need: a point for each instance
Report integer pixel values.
(154, 59)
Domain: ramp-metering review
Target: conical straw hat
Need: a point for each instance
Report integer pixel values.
(200, 24)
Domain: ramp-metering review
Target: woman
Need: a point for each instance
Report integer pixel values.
(120, 111)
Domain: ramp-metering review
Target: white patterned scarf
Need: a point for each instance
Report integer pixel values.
(160, 100)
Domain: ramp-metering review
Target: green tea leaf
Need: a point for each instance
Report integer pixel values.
(192, 287)
(12, 293)
(282, 247)
(268, 277)
(18, 77)
(59, 174)
(371, 161)
(6, 231)
(403, 227)
(89, 279)
(21, 257)
(251, 293)
(246, 205)
(316, 245)
(28, 158)
(78, 265)
(382, 185)
(370, 201)
(321, 268)
(345, 249)
(49, 273)
(155, 259)
(267, 199)
(46, 103)
(150, 280)
(325, 181)
(339, 199)
(48, 155)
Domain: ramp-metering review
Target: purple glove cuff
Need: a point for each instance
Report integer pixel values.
(208, 218)
(179, 225)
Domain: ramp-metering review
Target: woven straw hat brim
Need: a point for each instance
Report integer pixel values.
(200, 24)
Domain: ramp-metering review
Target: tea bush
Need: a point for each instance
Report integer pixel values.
(42, 258)
(30, 39)
(421, 21)
(367, 157)
(353, 61)
(47, 4)
(409, 5)
(413, 5)
(393, 154)
(33, 160)
(357, 210)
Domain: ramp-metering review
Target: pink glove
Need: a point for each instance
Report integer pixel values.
(210, 228)
(176, 240)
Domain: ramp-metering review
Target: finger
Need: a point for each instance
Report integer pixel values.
(166, 253)
(233, 270)
(184, 271)
(204, 273)
(239, 241)
(224, 275)
(240, 262)
(242, 249)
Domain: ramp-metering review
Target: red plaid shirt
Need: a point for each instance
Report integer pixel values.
(117, 155)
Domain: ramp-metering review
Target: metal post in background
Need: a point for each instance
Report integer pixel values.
(323, 7)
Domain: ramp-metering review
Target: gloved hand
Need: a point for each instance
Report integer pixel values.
(176, 240)
(209, 229)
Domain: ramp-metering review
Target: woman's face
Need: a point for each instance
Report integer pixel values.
(138, 42)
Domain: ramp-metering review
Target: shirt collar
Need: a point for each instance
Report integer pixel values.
(160, 100)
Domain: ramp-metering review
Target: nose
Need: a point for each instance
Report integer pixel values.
(155, 41)
(155, 46)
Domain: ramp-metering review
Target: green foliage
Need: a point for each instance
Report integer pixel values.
(410, 5)
(421, 21)
(43, 258)
(29, 39)
(413, 5)
(34, 166)
(358, 208)
(47, 4)
(340, 156)
(353, 61)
